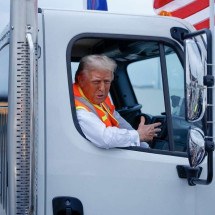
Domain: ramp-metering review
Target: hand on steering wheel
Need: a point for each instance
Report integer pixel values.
(148, 132)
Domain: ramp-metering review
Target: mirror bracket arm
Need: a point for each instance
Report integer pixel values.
(209, 80)
(189, 173)
(181, 34)
(178, 33)
(209, 146)
(208, 34)
(192, 174)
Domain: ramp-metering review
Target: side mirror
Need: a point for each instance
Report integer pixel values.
(196, 97)
(199, 76)
(198, 148)
(199, 79)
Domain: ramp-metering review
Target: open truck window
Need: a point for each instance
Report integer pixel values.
(149, 82)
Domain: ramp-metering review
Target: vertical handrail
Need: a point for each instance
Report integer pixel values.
(32, 78)
(21, 123)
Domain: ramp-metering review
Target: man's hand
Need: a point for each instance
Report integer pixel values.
(147, 132)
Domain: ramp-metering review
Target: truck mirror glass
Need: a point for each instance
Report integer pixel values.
(196, 146)
(195, 72)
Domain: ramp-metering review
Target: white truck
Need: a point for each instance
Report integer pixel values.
(164, 72)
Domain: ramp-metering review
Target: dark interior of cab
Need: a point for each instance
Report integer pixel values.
(124, 52)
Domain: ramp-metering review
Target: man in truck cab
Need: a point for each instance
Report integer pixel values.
(98, 119)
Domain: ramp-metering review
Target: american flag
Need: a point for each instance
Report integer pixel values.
(194, 11)
(97, 5)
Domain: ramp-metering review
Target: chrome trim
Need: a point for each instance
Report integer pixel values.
(32, 119)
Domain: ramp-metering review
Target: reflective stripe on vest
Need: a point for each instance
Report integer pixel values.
(104, 112)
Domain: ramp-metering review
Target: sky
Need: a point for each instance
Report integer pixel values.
(119, 6)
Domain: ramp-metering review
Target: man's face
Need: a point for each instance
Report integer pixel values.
(95, 85)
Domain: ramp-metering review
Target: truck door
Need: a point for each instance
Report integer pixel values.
(144, 85)
(149, 81)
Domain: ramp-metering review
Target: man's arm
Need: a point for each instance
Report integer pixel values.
(124, 124)
(106, 137)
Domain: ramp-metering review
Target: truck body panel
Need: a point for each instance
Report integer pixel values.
(80, 169)
(114, 181)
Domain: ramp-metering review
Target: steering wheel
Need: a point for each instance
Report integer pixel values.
(129, 109)
(130, 114)
(162, 119)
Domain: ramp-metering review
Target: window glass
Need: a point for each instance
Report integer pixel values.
(146, 79)
(145, 76)
(175, 74)
(176, 77)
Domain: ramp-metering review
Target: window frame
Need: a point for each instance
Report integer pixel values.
(161, 40)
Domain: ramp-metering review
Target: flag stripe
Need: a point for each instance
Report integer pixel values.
(190, 9)
(203, 24)
(195, 12)
(173, 5)
(158, 4)
(199, 16)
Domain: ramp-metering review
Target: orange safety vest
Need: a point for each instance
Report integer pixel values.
(104, 112)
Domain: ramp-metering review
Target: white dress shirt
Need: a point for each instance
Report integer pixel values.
(108, 137)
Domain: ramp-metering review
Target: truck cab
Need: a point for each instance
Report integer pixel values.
(65, 172)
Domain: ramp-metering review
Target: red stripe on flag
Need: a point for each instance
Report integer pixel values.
(202, 24)
(161, 3)
(191, 8)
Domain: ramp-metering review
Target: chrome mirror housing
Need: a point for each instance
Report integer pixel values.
(198, 68)
(199, 82)
(196, 146)
(196, 98)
